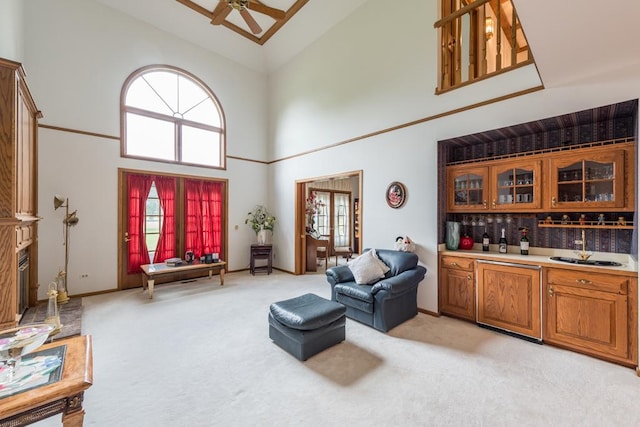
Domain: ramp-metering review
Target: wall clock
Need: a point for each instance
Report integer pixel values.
(396, 194)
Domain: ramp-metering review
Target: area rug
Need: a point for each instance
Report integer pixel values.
(70, 317)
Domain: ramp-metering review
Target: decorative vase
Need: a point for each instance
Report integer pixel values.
(453, 235)
(466, 242)
(262, 237)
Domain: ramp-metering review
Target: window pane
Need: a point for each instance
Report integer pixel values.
(150, 137)
(206, 113)
(140, 95)
(200, 146)
(165, 83)
(342, 220)
(152, 220)
(196, 105)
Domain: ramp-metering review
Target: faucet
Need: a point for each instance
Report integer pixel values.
(584, 255)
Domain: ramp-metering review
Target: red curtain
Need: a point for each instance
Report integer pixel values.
(138, 189)
(203, 211)
(166, 187)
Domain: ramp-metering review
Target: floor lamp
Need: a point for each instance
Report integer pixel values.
(70, 219)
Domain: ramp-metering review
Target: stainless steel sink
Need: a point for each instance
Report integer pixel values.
(586, 261)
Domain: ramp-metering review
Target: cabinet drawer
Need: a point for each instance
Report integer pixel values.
(588, 280)
(465, 264)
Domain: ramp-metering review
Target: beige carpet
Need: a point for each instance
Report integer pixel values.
(199, 355)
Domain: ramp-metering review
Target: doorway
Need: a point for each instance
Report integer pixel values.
(336, 219)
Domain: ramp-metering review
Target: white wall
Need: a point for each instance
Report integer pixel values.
(375, 70)
(79, 54)
(11, 28)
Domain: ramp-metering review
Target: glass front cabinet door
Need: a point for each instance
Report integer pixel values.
(589, 180)
(467, 188)
(516, 185)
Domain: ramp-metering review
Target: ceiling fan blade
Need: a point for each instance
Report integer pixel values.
(253, 25)
(220, 12)
(266, 10)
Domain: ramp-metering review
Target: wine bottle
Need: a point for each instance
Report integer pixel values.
(502, 243)
(485, 241)
(524, 242)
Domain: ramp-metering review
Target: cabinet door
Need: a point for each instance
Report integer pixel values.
(456, 295)
(586, 319)
(509, 298)
(25, 156)
(467, 188)
(516, 186)
(587, 181)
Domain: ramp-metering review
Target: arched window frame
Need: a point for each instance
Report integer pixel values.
(177, 122)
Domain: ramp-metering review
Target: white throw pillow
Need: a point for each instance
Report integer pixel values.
(381, 263)
(366, 268)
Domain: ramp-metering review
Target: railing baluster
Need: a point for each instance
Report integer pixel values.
(473, 43)
(483, 71)
(514, 41)
(498, 32)
(458, 51)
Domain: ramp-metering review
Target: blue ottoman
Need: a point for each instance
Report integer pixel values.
(306, 325)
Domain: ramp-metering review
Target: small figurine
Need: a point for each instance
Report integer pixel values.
(601, 219)
(565, 219)
(548, 220)
(621, 221)
(583, 219)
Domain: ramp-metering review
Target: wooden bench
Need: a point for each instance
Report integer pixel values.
(150, 271)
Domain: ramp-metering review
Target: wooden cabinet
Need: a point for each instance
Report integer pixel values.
(592, 313)
(18, 201)
(593, 179)
(467, 188)
(509, 297)
(588, 180)
(456, 288)
(516, 185)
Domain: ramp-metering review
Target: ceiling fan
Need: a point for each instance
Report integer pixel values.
(224, 8)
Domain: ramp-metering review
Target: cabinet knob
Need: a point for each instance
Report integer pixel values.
(553, 201)
(493, 204)
(484, 204)
(550, 291)
(468, 276)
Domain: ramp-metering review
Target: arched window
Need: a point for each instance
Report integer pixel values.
(171, 116)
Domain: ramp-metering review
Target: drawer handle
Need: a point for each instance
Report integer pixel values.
(584, 281)
(455, 264)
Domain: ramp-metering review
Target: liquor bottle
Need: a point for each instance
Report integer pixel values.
(524, 242)
(502, 243)
(485, 241)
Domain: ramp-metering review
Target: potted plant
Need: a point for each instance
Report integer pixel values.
(260, 221)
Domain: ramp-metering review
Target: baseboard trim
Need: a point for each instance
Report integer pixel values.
(430, 313)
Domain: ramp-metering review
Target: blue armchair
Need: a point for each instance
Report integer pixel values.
(386, 303)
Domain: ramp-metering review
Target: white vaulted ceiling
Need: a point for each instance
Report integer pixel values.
(571, 40)
(314, 19)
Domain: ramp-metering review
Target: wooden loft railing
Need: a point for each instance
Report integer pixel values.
(478, 39)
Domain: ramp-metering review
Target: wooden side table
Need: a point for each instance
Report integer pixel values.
(64, 396)
(264, 252)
